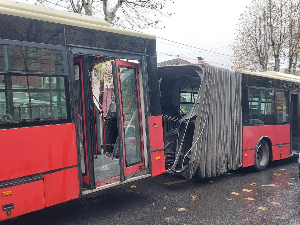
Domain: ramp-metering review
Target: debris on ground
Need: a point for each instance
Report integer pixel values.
(181, 209)
(268, 185)
(262, 208)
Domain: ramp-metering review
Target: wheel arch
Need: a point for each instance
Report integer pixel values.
(268, 140)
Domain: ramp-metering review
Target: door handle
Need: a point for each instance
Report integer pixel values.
(8, 207)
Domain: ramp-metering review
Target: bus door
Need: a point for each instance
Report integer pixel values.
(84, 121)
(294, 120)
(126, 82)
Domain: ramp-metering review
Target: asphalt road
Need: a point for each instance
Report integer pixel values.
(273, 198)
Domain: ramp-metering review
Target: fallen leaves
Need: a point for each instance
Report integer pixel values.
(176, 182)
(282, 169)
(275, 203)
(262, 208)
(128, 191)
(268, 185)
(165, 208)
(211, 181)
(247, 190)
(253, 184)
(194, 197)
(229, 199)
(290, 184)
(181, 209)
(235, 193)
(277, 174)
(133, 186)
(249, 199)
(168, 218)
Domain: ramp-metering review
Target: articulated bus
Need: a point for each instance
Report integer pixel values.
(84, 107)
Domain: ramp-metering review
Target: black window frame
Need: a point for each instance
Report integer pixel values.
(275, 122)
(65, 75)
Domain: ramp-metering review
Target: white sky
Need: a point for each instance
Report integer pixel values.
(204, 24)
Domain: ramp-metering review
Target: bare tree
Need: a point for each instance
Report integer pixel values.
(252, 44)
(122, 13)
(293, 44)
(267, 36)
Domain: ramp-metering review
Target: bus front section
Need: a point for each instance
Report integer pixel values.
(78, 107)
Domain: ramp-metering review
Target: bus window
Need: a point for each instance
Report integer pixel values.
(282, 109)
(187, 101)
(32, 98)
(30, 59)
(261, 106)
(32, 87)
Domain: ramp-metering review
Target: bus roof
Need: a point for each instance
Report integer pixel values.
(32, 11)
(275, 75)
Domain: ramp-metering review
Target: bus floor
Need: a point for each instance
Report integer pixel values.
(105, 169)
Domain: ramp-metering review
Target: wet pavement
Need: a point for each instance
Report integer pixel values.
(240, 197)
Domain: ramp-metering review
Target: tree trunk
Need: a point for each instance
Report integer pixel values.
(110, 16)
(87, 7)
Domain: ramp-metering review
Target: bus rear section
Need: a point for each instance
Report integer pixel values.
(216, 120)
(78, 108)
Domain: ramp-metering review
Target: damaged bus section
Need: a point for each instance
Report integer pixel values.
(202, 119)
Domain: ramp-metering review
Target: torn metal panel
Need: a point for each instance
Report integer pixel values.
(217, 141)
(215, 124)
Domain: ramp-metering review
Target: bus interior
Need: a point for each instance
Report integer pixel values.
(179, 88)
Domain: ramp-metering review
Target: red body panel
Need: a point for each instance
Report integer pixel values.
(157, 142)
(26, 198)
(32, 150)
(278, 134)
(156, 132)
(281, 152)
(61, 186)
(248, 157)
(158, 163)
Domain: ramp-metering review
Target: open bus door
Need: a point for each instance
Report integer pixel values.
(129, 101)
(130, 117)
(84, 122)
(130, 157)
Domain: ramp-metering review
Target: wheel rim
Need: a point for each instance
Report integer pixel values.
(261, 155)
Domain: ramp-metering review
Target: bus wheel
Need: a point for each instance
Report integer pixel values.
(261, 156)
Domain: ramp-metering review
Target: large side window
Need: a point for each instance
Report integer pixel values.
(32, 86)
(282, 107)
(261, 106)
(30, 98)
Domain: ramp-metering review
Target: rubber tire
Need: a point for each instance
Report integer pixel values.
(265, 148)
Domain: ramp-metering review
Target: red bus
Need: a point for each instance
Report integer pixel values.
(84, 107)
(53, 126)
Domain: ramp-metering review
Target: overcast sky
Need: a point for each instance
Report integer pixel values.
(202, 24)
